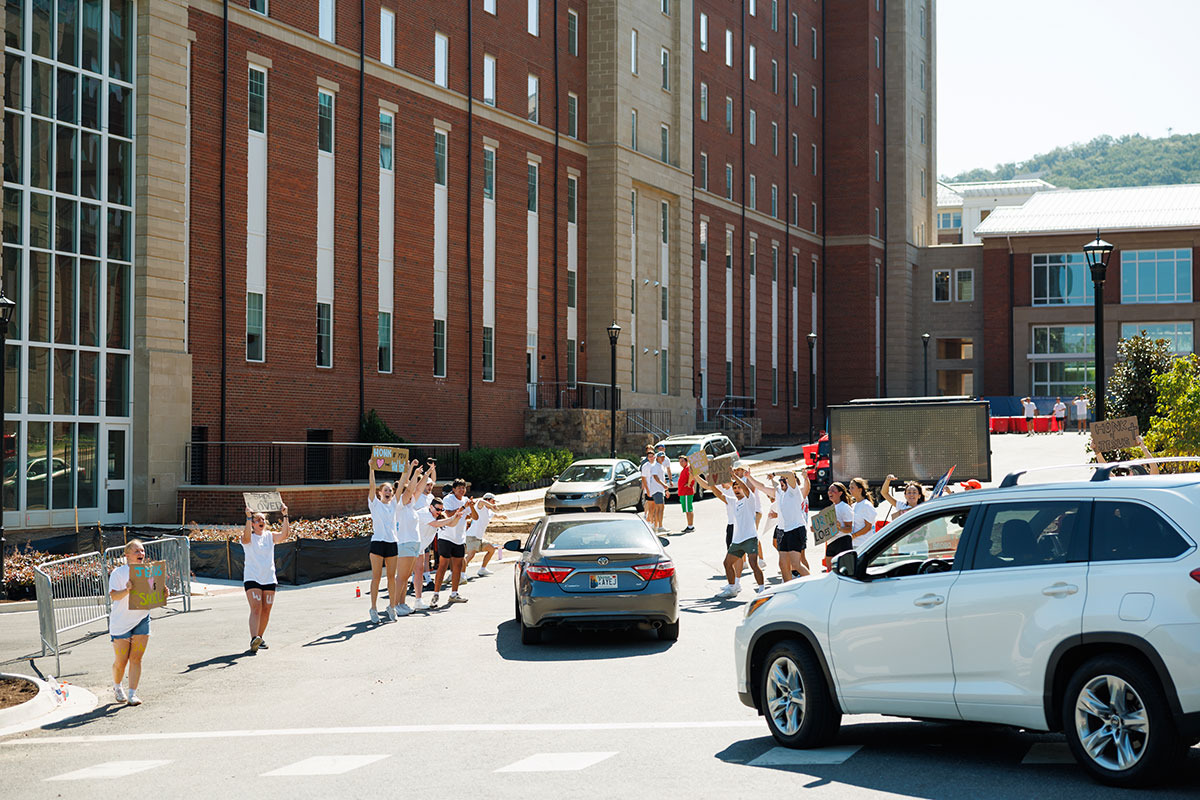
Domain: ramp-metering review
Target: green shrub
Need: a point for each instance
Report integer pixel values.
(507, 466)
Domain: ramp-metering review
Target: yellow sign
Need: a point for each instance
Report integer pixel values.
(389, 459)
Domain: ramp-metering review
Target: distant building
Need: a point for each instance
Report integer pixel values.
(971, 202)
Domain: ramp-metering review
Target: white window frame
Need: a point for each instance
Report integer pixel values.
(378, 330)
(533, 101)
(533, 17)
(704, 171)
(436, 373)
(752, 66)
(753, 191)
(328, 334)
(489, 79)
(958, 294)
(572, 115)
(489, 6)
(665, 143)
(753, 124)
(703, 32)
(814, 44)
(321, 93)
(263, 72)
(664, 57)
(572, 32)
(327, 20)
(441, 59)
(262, 327)
(489, 354)
(387, 37)
(633, 51)
(703, 102)
(774, 138)
(1131, 329)
(728, 181)
(1130, 276)
(728, 47)
(728, 114)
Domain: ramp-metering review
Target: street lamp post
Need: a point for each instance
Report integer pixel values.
(1098, 252)
(925, 345)
(614, 331)
(812, 385)
(6, 311)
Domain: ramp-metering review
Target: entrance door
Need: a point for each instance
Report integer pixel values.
(115, 502)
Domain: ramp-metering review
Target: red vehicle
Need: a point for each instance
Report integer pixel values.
(820, 473)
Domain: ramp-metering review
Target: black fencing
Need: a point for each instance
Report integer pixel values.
(297, 463)
(577, 395)
(296, 562)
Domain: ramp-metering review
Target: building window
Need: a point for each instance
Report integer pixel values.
(441, 59)
(489, 79)
(962, 349)
(489, 353)
(1177, 334)
(774, 138)
(703, 242)
(633, 128)
(665, 301)
(704, 171)
(385, 140)
(1062, 378)
(949, 220)
(489, 6)
(532, 95)
(633, 51)
(814, 217)
(795, 90)
(439, 348)
(256, 5)
(254, 327)
(1156, 276)
(922, 76)
(440, 166)
(325, 21)
(877, 166)
(1056, 366)
(666, 7)
(814, 44)
(572, 200)
(814, 101)
(728, 181)
(752, 7)
(814, 159)
(664, 360)
(795, 209)
(532, 18)
(753, 127)
(571, 362)
(775, 15)
(665, 143)
(922, 182)
(572, 115)
(728, 47)
(964, 285)
(665, 63)
(941, 286)
(704, 102)
(795, 30)
(922, 23)
(257, 91)
(324, 334)
(572, 33)
(774, 201)
(877, 109)
(664, 209)
(774, 76)
(703, 32)
(877, 223)
(729, 379)
(922, 129)
(387, 37)
(489, 174)
(753, 65)
(728, 114)
(878, 55)
(531, 203)
(796, 150)
(571, 288)
(753, 191)
(385, 341)
(325, 122)
(1061, 279)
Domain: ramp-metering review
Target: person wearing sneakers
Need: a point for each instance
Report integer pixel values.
(686, 489)
(1081, 413)
(646, 468)
(482, 512)
(1030, 409)
(792, 496)
(129, 630)
(408, 537)
(452, 541)
(431, 519)
(1060, 414)
(382, 504)
(744, 542)
(726, 491)
(660, 477)
(258, 575)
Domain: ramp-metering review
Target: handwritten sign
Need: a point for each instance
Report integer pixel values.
(698, 462)
(824, 525)
(941, 484)
(148, 585)
(266, 502)
(389, 459)
(720, 469)
(1114, 434)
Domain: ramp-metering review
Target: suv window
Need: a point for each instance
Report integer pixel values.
(1026, 534)
(1125, 530)
(935, 537)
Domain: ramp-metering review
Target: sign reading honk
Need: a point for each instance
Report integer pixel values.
(389, 459)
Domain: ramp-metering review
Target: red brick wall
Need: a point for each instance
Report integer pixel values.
(997, 329)
(216, 506)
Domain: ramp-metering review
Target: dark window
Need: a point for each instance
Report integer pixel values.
(1026, 534)
(1124, 530)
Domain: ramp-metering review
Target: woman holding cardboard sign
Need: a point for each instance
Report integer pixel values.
(128, 629)
(382, 503)
(258, 576)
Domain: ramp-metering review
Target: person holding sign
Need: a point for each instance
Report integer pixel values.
(382, 504)
(841, 540)
(258, 575)
(863, 524)
(408, 537)
(791, 495)
(128, 629)
(744, 540)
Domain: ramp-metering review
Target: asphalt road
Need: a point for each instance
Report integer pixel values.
(450, 703)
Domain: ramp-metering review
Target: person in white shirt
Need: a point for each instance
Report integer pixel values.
(648, 492)
(1030, 409)
(1081, 413)
(129, 630)
(381, 502)
(1060, 414)
(864, 513)
(431, 519)
(452, 541)
(914, 495)
(744, 542)
(841, 541)
(258, 575)
(483, 512)
(660, 471)
(792, 497)
(408, 535)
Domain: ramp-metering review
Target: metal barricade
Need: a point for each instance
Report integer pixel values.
(176, 552)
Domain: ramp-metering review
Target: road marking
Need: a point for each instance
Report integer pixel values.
(1049, 753)
(324, 765)
(557, 762)
(108, 769)
(787, 757)
(374, 730)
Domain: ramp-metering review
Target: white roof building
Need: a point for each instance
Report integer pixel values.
(1134, 208)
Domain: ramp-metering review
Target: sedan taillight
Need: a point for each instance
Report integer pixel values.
(650, 572)
(548, 574)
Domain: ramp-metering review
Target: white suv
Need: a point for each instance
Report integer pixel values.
(1069, 607)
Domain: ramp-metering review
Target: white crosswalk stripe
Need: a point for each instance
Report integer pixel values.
(1049, 753)
(557, 762)
(785, 756)
(108, 769)
(324, 765)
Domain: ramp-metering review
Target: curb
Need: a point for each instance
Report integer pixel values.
(46, 707)
(20, 605)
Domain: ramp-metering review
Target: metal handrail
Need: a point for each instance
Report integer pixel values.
(636, 419)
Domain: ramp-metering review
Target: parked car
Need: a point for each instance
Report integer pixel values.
(715, 444)
(1070, 607)
(594, 571)
(597, 484)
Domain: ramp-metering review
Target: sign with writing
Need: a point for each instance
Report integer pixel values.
(698, 462)
(941, 484)
(720, 469)
(824, 525)
(266, 502)
(1114, 434)
(148, 585)
(389, 459)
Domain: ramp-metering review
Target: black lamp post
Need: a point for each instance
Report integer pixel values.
(6, 311)
(614, 331)
(812, 385)
(1098, 252)
(925, 345)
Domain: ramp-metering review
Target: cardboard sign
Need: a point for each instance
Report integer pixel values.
(824, 525)
(389, 459)
(149, 585)
(266, 502)
(1114, 434)
(941, 484)
(720, 469)
(698, 462)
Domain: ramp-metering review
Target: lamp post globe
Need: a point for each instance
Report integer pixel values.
(1098, 252)
(925, 347)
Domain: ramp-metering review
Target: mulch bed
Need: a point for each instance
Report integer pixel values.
(14, 691)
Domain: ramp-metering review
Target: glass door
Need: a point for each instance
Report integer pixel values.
(115, 502)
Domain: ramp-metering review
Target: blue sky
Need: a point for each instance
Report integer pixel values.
(1021, 77)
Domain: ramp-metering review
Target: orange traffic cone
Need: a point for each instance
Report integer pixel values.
(357, 591)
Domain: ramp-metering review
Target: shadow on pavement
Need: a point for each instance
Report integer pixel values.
(223, 661)
(949, 761)
(109, 709)
(569, 644)
(708, 605)
(345, 634)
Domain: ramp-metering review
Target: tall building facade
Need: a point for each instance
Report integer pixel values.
(258, 220)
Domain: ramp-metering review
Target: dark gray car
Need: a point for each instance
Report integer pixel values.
(596, 484)
(594, 571)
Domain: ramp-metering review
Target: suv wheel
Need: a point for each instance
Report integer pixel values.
(1118, 724)
(795, 698)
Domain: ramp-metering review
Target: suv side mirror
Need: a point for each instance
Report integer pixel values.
(846, 564)
(513, 545)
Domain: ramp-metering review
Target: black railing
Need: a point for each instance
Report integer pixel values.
(297, 463)
(566, 395)
(648, 420)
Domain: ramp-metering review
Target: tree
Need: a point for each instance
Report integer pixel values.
(1175, 426)
(1131, 389)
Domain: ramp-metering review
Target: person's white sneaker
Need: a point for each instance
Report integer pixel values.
(374, 615)
(483, 572)
(119, 693)
(421, 605)
(133, 699)
(391, 612)
(401, 610)
(762, 587)
(729, 591)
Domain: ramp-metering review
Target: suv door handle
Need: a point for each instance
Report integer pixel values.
(929, 600)
(1060, 589)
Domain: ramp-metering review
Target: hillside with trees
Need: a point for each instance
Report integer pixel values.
(1105, 162)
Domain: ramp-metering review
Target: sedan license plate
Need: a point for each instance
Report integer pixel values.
(603, 581)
